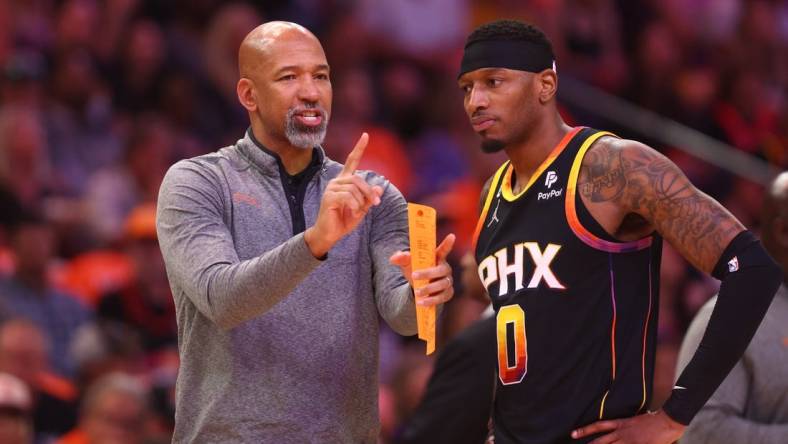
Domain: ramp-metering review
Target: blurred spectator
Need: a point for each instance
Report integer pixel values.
(79, 121)
(352, 115)
(16, 425)
(114, 410)
(22, 80)
(403, 27)
(107, 347)
(696, 88)
(221, 41)
(24, 167)
(590, 45)
(746, 118)
(113, 191)
(76, 25)
(28, 293)
(657, 58)
(145, 303)
(139, 70)
(24, 354)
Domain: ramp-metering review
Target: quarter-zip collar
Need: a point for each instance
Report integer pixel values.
(294, 186)
(268, 162)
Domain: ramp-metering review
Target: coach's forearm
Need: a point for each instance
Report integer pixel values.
(242, 291)
(398, 309)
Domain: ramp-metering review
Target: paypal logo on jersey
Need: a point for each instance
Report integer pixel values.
(550, 179)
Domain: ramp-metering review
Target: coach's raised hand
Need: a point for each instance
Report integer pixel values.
(345, 202)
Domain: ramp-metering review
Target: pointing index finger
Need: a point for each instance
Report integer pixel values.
(354, 157)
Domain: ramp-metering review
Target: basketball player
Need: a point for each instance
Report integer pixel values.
(279, 263)
(568, 246)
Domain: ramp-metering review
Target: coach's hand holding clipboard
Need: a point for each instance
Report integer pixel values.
(426, 269)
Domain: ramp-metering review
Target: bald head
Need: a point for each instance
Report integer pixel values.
(257, 46)
(775, 219)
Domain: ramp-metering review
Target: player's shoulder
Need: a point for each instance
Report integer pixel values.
(610, 143)
(611, 153)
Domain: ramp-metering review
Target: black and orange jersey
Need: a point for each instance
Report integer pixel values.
(576, 309)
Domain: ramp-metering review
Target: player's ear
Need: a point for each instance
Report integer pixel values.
(547, 85)
(246, 94)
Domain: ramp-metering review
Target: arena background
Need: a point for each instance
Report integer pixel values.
(98, 98)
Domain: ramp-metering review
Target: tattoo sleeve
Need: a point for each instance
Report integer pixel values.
(642, 181)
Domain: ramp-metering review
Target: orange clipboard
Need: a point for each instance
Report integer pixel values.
(421, 227)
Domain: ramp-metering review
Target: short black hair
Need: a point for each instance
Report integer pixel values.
(510, 30)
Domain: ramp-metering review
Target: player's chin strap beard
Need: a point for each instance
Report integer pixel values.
(492, 146)
(520, 55)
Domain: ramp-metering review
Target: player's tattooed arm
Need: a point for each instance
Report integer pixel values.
(641, 181)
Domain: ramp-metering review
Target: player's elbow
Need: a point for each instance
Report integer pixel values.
(770, 275)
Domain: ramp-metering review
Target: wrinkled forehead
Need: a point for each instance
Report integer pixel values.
(298, 54)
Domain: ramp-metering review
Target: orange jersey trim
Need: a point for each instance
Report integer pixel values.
(487, 203)
(506, 187)
(571, 210)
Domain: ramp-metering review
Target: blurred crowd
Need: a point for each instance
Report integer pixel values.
(99, 97)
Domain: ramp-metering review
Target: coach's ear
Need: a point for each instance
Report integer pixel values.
(245, 90)
(547, 85)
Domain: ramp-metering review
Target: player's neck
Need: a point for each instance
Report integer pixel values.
(529, 155)
(294, 159)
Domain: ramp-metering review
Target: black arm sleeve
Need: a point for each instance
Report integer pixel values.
(750, 278)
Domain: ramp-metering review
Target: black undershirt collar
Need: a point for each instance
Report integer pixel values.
(294, 185)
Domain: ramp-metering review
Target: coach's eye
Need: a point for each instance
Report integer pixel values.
(322, 77)
(466, 88)
(288, 77)
(494, 83)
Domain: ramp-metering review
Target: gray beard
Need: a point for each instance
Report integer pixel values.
(302, 136)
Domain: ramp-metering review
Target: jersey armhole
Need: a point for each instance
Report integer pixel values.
(487, 202)
(573, 220)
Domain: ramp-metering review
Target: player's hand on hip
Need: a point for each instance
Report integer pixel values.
(440, 288)
(651, 428)
(345, 202)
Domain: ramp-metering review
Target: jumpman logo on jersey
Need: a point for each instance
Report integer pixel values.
(495, 213)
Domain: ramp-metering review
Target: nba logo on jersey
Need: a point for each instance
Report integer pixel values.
(550, 179)
(733, 264)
